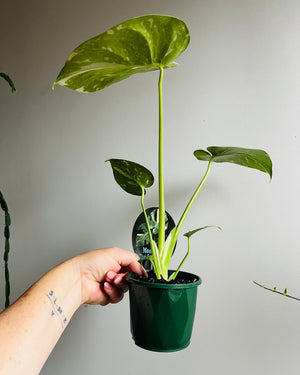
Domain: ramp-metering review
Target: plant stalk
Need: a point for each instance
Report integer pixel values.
(189, 205)
(168, 251)
(161, 233)
(156, 263)
(173, 276)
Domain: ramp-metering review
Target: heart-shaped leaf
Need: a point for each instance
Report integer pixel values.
(251, 158)
(137, 45)
(132, 177)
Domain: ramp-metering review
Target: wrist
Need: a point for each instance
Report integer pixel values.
(73, 278)
(63, 281)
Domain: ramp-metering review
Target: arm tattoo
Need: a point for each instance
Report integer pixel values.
(56, 309)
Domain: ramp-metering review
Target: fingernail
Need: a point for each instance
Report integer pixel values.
(118, 280)
(107, 285)
(144, 272)
(110, 275)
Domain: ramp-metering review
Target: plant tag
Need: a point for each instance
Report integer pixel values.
(140, 237)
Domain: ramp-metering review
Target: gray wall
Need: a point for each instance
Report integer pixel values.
(238, 85)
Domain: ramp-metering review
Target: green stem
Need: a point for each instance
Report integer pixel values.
(4, 207)
(156, 260)
(189, 205)
(161, 233)
(168, 250)
(174, 274)
(275, 291)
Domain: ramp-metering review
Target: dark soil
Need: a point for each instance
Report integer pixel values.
(182, 278)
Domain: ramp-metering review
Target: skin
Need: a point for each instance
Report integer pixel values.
(34, 323)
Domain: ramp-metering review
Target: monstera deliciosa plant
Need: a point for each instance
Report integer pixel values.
(139, 45)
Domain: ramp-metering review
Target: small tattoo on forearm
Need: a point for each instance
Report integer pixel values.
(56, 309)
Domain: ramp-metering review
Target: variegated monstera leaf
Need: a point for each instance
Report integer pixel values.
(137, 45)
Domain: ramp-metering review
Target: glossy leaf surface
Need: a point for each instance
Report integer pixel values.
(251, 158)
(137, 45)
(132, 177)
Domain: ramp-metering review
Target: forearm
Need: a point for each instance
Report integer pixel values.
(33, 324)
(30, 328)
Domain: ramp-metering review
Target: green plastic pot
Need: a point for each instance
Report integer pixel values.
(162, 315)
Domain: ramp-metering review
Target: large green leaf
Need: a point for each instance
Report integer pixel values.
(132, 177)
(251, 158)
(137, 45)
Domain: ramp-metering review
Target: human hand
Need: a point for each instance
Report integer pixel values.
(103, 273)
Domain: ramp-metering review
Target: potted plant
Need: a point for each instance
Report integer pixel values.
(138, 45)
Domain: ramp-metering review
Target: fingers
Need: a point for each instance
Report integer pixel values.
(117, 279)
(138, 269)
(114, 287)
(128, 259)
(103, 274)
(114, 294)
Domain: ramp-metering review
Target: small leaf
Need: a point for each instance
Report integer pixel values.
(285, 291)
(132, 177)
(251, 158)
(137, 45)
(9, 81)
(189, 234)
(274, 289)
(202, 155)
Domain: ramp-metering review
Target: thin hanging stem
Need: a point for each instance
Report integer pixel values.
(4, 207)
(161, 233)
(276, 291)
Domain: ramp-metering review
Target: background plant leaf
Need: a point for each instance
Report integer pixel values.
(153, 220)
(9, 81)
(132, 177)
(251, 158)
(142, 239)
(137, 45)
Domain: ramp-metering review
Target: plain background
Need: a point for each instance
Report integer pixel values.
(237, 85)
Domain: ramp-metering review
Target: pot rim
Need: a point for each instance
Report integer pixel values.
(131, 279)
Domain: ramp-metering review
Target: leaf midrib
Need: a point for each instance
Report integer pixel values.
(128, 176)
(121, 67)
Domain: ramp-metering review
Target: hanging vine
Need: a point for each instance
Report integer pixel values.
(4, 207)
(9, 81)
(284, 293)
